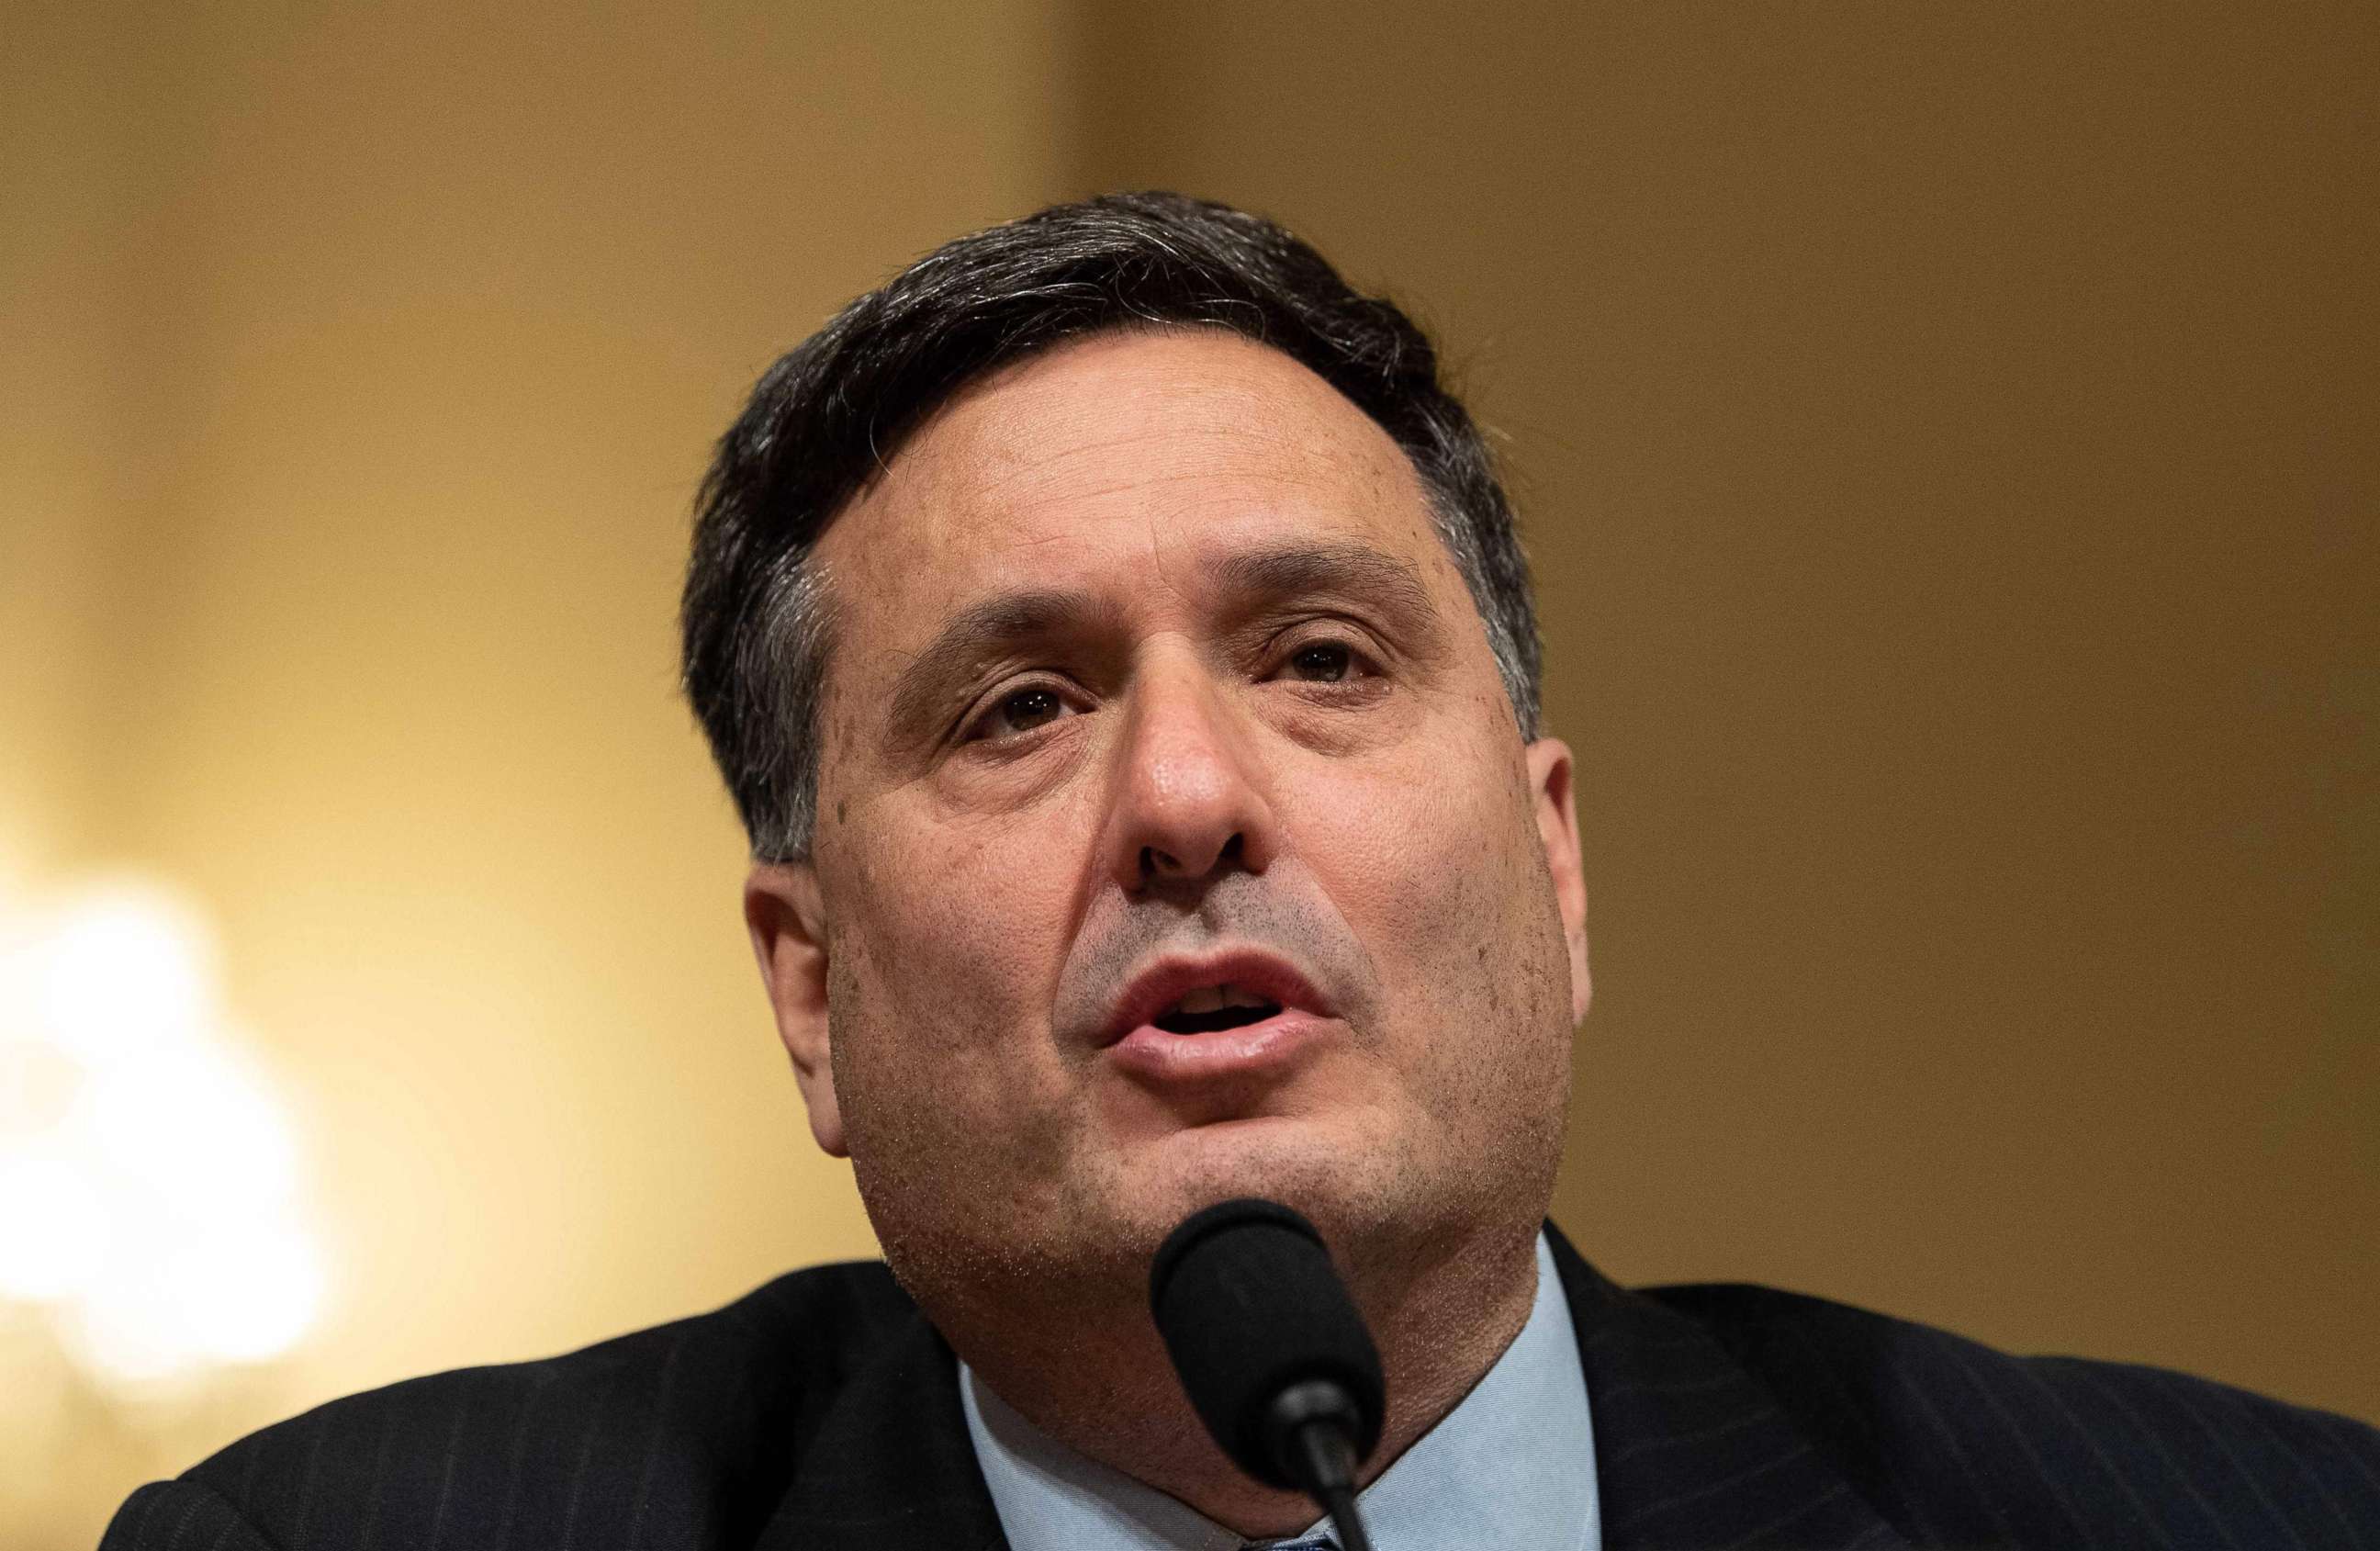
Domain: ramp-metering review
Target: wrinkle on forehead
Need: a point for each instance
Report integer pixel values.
(1206, 441)
(1132, 414)
(1237, 582)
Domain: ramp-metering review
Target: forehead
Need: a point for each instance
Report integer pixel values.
(1120, 465)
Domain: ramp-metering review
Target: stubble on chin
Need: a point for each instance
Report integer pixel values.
(1030, 1246)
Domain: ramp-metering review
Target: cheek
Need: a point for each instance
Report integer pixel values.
(942, 962)
(1418, 848)
(1441, 874)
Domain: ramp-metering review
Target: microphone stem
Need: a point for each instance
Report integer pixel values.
(1326, 1460)
(1340, 1503)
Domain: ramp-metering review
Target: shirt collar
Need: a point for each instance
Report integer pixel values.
(1512, 1465)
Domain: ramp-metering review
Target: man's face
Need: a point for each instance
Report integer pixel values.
(1175, 840)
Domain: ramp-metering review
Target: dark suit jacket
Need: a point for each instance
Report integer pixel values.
(822, 1411)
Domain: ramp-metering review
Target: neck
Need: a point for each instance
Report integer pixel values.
(1440, 1323)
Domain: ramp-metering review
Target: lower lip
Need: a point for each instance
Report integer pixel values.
(1153, 1055)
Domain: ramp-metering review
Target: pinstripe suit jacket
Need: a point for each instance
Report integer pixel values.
(822, 1411)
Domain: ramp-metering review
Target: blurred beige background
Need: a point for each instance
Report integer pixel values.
(1946, 437)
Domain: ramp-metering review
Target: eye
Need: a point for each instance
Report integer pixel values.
(1018, 711)
(1322, 662)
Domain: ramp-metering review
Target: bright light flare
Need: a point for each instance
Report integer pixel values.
(53, 1229)
(149, 1173)
(194, 1123)
(128, 968)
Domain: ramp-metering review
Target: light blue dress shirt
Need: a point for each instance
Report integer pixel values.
(1512, 1466)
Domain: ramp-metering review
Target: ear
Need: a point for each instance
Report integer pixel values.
(1549, 782)
(788, 925)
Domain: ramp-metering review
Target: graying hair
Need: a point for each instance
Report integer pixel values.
(759, 618)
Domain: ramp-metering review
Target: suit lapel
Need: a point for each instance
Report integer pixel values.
(892, 1467)
(1689, 1449)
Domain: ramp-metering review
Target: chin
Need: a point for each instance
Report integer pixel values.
(1336, 1172)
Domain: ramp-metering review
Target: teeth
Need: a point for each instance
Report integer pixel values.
(1214, 999)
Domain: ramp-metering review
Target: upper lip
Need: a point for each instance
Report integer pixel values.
(1167, 981)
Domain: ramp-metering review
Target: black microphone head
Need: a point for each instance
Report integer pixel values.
(1250, 1308)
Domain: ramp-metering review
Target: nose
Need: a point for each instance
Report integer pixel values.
(1189, 798)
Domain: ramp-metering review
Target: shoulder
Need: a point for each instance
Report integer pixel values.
(695, 1425)
(1958, 1443)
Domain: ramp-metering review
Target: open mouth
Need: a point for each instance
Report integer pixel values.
(1216, 1007)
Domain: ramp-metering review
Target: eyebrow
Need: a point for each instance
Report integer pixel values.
(977, 633)
(1250, 579)
(1346, 568)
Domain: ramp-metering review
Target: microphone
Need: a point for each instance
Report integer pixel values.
(1271, 1351)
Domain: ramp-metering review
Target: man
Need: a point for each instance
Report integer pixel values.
(1118, 647)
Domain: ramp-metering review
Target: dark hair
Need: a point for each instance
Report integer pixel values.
(759, 622)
